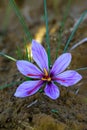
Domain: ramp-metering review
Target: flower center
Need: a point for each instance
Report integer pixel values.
(46, 76)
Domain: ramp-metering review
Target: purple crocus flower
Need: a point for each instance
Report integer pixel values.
(44, 75)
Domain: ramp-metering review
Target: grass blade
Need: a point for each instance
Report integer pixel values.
(74, 30)
(19, 53)
(21, 19)
(27, 51)
(9, 57)
(47, 32)
(85, 68)
(9, 85)
(62, 26)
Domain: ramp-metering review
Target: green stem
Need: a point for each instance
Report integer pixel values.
(47, 32)
(9, 57)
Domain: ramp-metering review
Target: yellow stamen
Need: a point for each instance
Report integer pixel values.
(45, 72)
(49, 79)
(44, 79)
(46, 76)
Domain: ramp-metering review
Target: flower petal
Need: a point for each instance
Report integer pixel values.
(68, 78)
(39, 55)
(28, 88)
(61, 63)
(28, 69)
(52, 91)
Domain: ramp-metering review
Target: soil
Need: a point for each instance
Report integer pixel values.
(38, 112)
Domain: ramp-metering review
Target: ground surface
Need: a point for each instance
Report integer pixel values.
(38, 112)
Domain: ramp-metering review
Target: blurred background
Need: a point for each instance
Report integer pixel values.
(12, 32)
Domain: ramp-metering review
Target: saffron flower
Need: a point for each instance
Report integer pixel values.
(44, 75)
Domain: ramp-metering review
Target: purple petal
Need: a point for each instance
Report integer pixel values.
(68, 78)
(52, 91)
(61, 63)
(28, 69)
(28, 88)
(39, 55)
